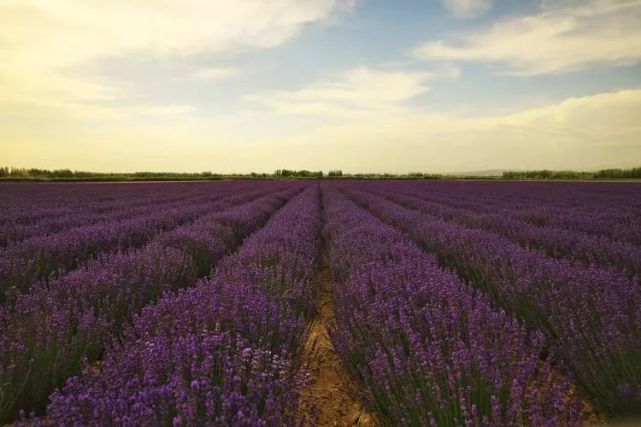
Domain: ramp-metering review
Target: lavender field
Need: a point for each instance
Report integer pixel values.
(250, 303)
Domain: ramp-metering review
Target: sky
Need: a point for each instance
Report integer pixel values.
(359, 85)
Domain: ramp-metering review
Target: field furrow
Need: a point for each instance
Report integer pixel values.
(331, 396)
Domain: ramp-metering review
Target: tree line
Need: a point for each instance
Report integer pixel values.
(603, 174)
(35, 174)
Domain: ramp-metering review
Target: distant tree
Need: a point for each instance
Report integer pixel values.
(69, 175)
(618, 173)
(62, 173)
(303, 173)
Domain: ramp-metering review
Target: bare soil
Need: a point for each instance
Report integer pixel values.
(330, 397)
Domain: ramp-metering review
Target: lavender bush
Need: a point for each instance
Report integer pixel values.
(46, 332)
(457, 303)
(428, 349)
(38, 257)
(589, 314)
(554, 241)
(218, 353)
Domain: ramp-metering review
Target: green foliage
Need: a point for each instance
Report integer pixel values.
(34, 174)
(69, 175)
(286, 173)
(634, 173)
(545, 175)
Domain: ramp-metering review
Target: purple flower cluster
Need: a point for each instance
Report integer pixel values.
(456, 303)
(47, 331)
(552, 240)
(37, 257)
(219, 353)
(590, 314)
(23, 203)
(428, 349)
(599, 209)
(23, 224)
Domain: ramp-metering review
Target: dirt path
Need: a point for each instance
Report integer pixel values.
(329, 398)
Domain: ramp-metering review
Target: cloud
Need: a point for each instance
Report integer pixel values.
(581, 133)
(467, 8)
(74, 30)
(359, 119)
(567, 35)
(47, 47)
(356, 91)
(215, 74)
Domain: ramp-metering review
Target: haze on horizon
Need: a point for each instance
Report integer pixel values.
(357, 85)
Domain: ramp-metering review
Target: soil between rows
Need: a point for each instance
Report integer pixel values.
(330, 396)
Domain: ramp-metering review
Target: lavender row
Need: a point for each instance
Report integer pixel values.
(29, 203)
(613, 219)
(583, 210)
(554, 241)
(220, 353)
(31, 206)
(37, 258)
(51, 329)
(105, 211)
(426, 347)
(614, 198)
(590, 315)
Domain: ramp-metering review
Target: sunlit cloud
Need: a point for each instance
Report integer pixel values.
(567, 35)
(43, 43)
(70, 31)
(215, 74)
(353, 92)
(587, 132)
(227, 86)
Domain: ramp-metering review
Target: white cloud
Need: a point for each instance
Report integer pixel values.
(467, 8)
(74, 30)
(567, 35)
(215, 73)
(44, 43)
(353, 92)
(359, 119)
(579, 133)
